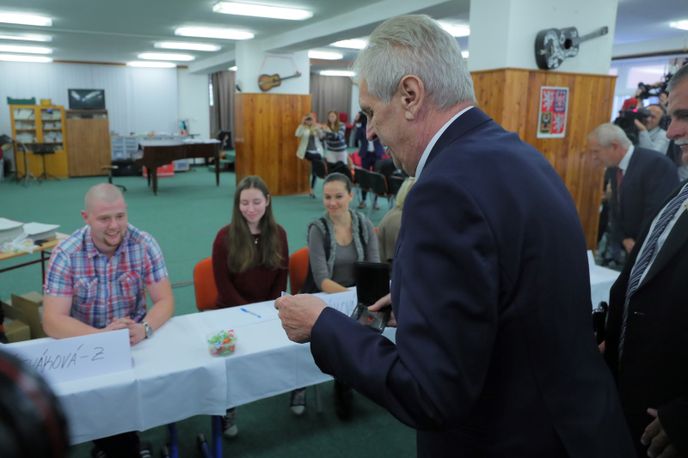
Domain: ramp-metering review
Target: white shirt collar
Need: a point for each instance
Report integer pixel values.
(623, 165)
(433, 140)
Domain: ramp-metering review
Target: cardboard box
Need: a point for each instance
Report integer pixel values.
(30, 307)
(16, 330)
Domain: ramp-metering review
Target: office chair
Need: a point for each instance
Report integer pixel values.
(298, 270)
(205, 289)
(205, 292)
(109, 169)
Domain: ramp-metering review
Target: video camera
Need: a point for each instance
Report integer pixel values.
(626, 121)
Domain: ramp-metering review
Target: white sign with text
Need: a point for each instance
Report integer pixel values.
(74, 358)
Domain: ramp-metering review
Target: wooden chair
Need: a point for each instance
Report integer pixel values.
(204, 284)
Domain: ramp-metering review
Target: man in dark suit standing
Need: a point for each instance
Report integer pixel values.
(647, 328)
(641, 179)
(494, 355)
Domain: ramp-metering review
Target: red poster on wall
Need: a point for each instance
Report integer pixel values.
(554, 107)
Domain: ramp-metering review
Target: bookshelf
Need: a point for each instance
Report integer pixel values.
(40, 124)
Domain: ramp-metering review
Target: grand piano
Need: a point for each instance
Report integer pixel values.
(155, 153)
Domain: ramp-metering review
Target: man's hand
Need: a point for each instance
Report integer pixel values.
(298, 315)
(136, 330)
(639, 125)
(660, 445)
(628, 244)
(385, 301)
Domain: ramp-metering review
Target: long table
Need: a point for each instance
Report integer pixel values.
(43, 251)
(174, 377)
(160, 152)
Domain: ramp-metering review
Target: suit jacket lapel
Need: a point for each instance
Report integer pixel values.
(675, 240)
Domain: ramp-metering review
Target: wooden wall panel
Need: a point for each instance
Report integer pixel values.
(512, 97)
(265, 143)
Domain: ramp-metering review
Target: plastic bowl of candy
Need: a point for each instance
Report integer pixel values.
(221, 343)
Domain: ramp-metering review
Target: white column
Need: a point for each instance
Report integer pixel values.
(503, 32)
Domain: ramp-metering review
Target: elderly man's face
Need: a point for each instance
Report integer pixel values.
(386, 121)
(678, 109)
(604, 154)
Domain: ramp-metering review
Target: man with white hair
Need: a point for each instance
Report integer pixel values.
(641, 180)
(97, 281)
(494, 353)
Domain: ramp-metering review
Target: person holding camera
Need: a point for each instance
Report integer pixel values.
(310, 144)
(650, 134)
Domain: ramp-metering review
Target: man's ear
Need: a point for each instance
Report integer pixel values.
(412, 93)
(84, 216)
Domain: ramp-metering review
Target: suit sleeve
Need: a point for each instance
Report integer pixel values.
(446, 306)
(227, 294)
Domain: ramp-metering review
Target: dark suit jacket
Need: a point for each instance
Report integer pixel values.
(494, 352)
(653, 371)
(649, 179)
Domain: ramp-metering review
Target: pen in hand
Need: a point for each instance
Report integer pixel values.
(245, 310)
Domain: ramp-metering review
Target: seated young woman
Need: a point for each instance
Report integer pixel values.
(250, 257)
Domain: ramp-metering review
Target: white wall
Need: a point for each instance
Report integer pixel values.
(503, 32)
(194, 101)
(138, 100)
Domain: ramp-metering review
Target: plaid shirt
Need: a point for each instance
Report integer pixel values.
(104, 289)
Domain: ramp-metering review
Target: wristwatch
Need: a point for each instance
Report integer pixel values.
(149, 330)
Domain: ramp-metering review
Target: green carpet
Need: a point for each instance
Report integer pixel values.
(184, 218)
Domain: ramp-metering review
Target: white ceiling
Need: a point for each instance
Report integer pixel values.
(116, 31)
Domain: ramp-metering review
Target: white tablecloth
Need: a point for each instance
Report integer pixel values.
(174, 377)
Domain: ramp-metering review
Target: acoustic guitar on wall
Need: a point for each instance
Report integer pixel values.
(553, 46)
(267, 82)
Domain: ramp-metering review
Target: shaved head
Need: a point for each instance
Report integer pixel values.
(104, 192)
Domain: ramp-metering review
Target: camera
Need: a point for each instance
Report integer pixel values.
(626, 121)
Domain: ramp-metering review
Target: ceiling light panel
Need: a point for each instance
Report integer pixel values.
(337, 73)
(26, 19)
(355, 43)
(213, 32)
(456, 30)
(325, 55)
(187, 46)
(257, 10)
(25, 37)
(24, 58)
(151, 64)
(25, 49)
(165, 56)
(681, 25)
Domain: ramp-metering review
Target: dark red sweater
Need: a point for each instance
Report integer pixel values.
(254, 285)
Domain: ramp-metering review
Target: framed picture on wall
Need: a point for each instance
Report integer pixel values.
(554, 107)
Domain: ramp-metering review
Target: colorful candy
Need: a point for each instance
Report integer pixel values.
(222, 343)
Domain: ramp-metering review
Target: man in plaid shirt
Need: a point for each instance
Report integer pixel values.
(97, 281)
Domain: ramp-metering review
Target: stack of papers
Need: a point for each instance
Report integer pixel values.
(9, 230)
(40, 232)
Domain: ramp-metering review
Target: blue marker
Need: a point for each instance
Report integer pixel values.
(244, 309)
